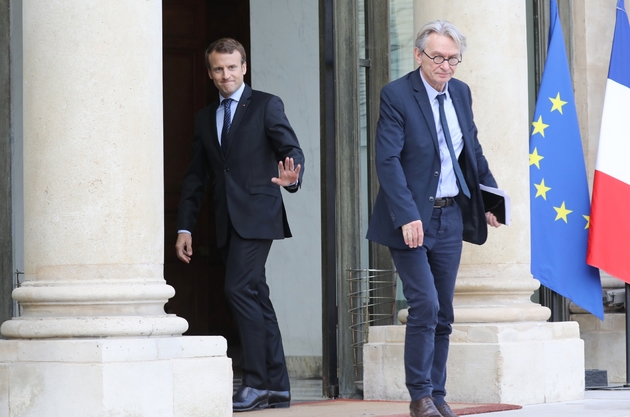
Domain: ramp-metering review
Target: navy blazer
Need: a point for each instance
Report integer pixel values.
(260, 136)
(408, 162)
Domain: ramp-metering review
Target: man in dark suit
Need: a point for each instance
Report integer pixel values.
(246, 143)
(429, 165)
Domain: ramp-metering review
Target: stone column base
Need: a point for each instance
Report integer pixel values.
(604, 343)
(171, 377)
(516, 363)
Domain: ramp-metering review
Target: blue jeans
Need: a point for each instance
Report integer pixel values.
(428, 276)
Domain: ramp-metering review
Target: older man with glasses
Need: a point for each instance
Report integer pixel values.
(430, 164)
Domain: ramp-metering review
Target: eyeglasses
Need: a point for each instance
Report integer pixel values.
(438, 59)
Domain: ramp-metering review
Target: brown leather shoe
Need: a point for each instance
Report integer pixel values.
(445, 410)
(423, 407)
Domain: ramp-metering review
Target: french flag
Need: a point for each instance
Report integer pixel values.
(609, 233)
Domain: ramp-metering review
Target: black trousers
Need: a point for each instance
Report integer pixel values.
(263, 361)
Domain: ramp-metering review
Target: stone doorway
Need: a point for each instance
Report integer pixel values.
(189, 26)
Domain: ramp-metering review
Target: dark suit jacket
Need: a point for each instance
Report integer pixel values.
(259, 137)
(408, 162)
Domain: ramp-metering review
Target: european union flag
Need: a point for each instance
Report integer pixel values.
(559, 200)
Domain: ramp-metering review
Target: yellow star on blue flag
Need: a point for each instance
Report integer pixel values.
(558, 236)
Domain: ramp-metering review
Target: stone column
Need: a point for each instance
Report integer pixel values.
(94, 291)
(494, 283)
(93, 194)
(502, 348)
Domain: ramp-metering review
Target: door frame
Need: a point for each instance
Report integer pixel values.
(341, 168)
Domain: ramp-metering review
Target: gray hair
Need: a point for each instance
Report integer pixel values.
(443, 28)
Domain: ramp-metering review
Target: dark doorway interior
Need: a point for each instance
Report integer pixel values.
(189, 26)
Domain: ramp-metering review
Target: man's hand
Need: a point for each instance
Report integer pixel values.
(183, 247)
(491, 219)
(287, 173)
(413, 234)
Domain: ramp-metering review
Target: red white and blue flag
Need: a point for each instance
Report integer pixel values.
(609, 233)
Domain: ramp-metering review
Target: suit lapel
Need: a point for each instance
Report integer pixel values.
(467, 159)
(420, 94)
(461, 114)
(211, 124)
(241, 109)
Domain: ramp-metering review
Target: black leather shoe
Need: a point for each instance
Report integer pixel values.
(423, 407)
(445, 410)
(279, 399)
(248, 398)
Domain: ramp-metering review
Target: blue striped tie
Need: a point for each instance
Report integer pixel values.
(227, 123)
(449, 144)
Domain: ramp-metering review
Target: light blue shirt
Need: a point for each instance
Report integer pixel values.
(235, 99)
(447, 183)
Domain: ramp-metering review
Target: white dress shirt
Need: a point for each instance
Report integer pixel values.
(447, 183)
(233, 105)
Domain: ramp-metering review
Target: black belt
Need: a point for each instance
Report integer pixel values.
(443, 202)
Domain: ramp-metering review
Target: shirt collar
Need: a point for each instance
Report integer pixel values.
(432, 92)
(236, 96)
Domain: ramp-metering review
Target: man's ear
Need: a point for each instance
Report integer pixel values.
(244, 68)
(417, 53)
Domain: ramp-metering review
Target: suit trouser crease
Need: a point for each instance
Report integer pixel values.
(428, 276)
(263, 362)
